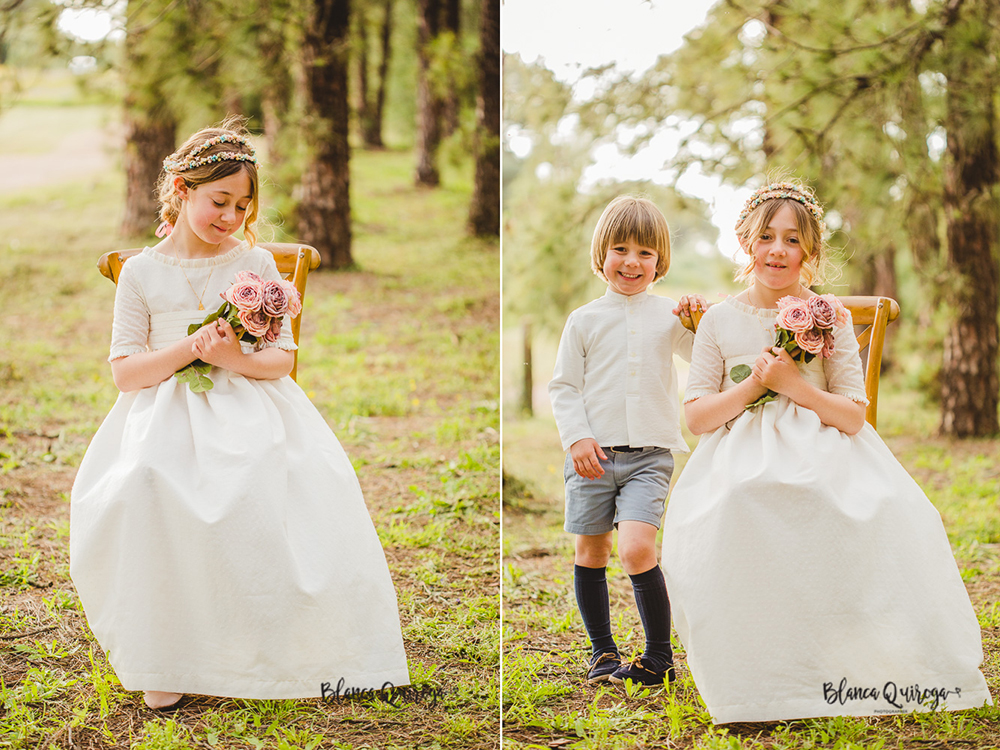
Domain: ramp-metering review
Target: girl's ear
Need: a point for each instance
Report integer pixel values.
(180, 186)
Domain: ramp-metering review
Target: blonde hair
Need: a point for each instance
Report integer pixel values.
(236, 143)
(626, 218)
(757, 215)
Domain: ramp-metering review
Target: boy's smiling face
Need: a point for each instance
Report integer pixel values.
(629, 267)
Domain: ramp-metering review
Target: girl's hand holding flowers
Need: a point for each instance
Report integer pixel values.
(217, 344)
(803, 330)
(775, 370)
(252, 312)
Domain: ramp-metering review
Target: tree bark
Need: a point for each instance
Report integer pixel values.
(324, 209)
(371, 110)
(528, 380)
(276, 96)
(451, 106)
(150, 130)
(969, 377)
(484, 212)
(149, 139)
(429, 105)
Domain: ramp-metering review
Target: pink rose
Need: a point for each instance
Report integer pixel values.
(255, 322)
(274, 331)
(811, 341)
(794, 315)
(294, 298)
(245, 295)
(244, 276)
(824, 314)
(828, 345)
(838, 306)
(275, 301)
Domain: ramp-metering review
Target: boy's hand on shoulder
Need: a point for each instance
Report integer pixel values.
(586, 455)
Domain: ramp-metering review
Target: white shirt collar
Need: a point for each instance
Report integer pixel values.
(611, 294)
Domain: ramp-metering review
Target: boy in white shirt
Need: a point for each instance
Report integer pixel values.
(614, 398)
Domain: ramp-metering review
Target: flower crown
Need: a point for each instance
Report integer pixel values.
(786, 190)
(191, 161)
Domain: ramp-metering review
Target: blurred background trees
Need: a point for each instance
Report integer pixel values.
(315, 78)
(887, 108)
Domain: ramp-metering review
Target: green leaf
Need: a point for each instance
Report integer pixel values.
(766, 398)
(740, 373)
(193, 376)
(201, 385)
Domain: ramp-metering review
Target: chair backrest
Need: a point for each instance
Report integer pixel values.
(293, 259)
(876, 313)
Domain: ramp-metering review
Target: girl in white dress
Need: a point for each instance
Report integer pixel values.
(808, 574)
(219, 541)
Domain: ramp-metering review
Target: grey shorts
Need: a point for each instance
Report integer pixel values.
(634, 487)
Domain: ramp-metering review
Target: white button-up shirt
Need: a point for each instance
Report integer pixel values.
(614, 378)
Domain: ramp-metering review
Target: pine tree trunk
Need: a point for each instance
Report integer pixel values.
(429, 105)
(970, 386)
(527, 378)
(148, 141)
(150, 132)
(450, 106)
(484, 212)
(276, 94)
(364, 109)
(374, 138)
(324, 208)
(371, 106)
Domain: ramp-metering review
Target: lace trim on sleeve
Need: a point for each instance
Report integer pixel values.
(288, 346)
(857, 396)
(843, 370)
(117, 352)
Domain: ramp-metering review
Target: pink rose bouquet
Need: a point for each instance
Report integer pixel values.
(804, 329)
(255, 309)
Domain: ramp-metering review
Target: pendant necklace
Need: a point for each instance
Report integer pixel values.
(201, 305)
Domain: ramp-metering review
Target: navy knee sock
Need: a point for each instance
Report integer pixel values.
(654, 611)
(591, 586)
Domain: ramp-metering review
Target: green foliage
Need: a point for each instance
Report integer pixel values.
(549, 219)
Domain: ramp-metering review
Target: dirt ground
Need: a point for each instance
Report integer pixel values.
(80, 154)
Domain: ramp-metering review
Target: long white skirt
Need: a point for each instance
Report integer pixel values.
(810, 576)
(221, 545)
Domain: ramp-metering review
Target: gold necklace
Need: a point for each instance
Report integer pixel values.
(201, 305)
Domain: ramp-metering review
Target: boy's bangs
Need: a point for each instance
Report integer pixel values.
(638, 225)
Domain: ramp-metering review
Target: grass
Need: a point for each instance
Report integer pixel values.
(400, 356)
(545, 702)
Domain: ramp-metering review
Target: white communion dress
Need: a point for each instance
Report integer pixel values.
(808, 574)
(219, 541)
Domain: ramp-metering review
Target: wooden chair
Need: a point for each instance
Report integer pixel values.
(294, 261)
(874, 312)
